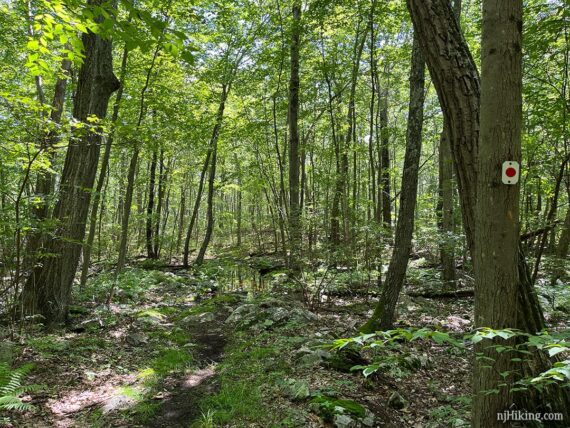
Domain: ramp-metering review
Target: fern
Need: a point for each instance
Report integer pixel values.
(11, 387)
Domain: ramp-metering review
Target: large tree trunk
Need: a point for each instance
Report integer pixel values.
(456, 80)
(295, 233)
(88, 245)
(371, 129)
(497, 208)
(445, 203)
(212, 174)
(383, 316)
(48, 289)
(44, 188)
(45, 181)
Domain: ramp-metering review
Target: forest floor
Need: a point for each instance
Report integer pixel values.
(219, 348)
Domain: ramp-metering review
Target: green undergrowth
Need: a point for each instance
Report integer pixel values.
(248, 377)
(13, 385)
(130, 286)
(213, 304)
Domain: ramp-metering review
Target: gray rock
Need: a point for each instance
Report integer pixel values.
(302, 315)
(369, 419)
(277, 314)
(314, 358)
(239, 313)
(136, 339)
(92, 323)
(207, 317)
(267, 314)
(117, 402)
(343, 421)
(396, 401)
(271, 302)
(296, 389)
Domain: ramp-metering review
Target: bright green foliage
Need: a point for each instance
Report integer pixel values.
(171, 359)
(12, 387)
(387, 341)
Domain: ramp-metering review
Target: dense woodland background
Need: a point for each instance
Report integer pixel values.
(296, 149)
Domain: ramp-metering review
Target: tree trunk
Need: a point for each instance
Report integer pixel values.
(182, 214)
(456, 80)
(162, 179)
(562, 249)
(88, 245)
(44, 188)
(371, 129)
(294, 158)
(45, 181)
(239, 203)
(497, 208)
(150, 207)
(133, 166)
(383, 317)
(550, 217)
(48, 289)
(127, 213)
(212, 174)
(445, 209)
(445, 203)
(196, 208)
(384, 176)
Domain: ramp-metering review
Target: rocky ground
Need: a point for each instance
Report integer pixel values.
(174, 351)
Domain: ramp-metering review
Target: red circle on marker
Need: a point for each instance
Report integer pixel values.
(511, 172)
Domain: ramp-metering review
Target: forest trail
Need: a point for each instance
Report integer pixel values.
(284, 214)
(208, 348)
(154, 359)
(180, 407)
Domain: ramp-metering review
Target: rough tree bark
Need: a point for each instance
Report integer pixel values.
(88, 245)
(48, 289)
(497, 207)
(457, 83)
(445, 208)
(383, 316)
(44, 188)
(445, 204)
(295, 233)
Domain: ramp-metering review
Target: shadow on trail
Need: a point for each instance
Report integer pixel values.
(181, 406)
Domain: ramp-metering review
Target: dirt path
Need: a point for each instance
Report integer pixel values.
(180, 408)
(95, 371)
